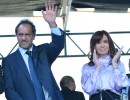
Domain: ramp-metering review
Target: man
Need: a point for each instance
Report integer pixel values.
(125, 92)
(128, 87)
(1, 81)
(68, 87)
(28, 76)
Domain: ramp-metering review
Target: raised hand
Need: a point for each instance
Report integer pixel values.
(50, 14)
(116, 57)
(95, 60)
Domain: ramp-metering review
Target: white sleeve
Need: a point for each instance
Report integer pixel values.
(56, 31)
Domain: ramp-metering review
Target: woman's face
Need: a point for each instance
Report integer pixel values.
(102, 47)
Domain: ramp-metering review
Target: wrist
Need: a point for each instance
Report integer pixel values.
(98, 68)
(115, 65)
(53, 25)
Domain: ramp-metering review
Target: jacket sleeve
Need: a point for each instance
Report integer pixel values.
(55, 47)
(10, 92)
(120, 77)
(89, 79)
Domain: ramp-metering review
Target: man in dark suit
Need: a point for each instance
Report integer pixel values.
(17, 68)
(1, 81)
(68, 87)
(129, 87)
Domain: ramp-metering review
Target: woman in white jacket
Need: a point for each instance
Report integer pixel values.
(104, 76)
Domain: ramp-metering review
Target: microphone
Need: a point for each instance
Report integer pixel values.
(109, 95)
(100, 91)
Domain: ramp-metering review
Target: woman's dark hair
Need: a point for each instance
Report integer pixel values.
(26, 21)
(96, 37)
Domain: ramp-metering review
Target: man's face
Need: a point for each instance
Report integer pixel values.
(72, 86)
(25, 36)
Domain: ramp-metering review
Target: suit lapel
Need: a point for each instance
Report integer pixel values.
(22, 65)
(35, 56)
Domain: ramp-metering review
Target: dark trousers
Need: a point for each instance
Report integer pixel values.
(105, 95)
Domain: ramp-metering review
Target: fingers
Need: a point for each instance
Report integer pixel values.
(94, 55)
(95, 60)
(120, 50)
(43, 12)
(49, 5)
(118, 54)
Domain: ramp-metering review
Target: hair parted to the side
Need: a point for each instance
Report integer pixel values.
(96, 37)
(26, 21)
(65, 81)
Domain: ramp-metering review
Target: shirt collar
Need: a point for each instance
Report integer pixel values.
(23, 51)
(105, 60)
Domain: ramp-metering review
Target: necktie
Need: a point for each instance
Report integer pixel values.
(34, 77)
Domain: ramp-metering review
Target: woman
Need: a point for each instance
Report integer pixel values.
(104, 76)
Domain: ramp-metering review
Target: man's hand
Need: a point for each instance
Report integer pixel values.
(50, 14)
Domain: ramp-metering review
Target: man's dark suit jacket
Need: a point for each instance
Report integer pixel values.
(129, 94)
(18, 84)
(129, 87)
(72, 95)
(1, 81)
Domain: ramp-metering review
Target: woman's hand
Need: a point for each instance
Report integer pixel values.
(116, 57)
(95, 60)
